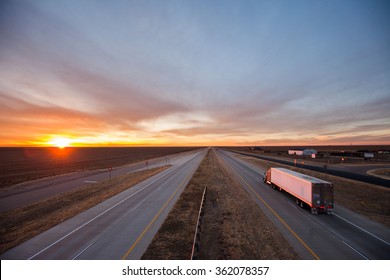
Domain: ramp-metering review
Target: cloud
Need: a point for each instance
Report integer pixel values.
(138, 71)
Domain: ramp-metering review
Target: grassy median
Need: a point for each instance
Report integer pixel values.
(233, 226)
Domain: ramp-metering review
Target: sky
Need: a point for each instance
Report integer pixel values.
(181, 73)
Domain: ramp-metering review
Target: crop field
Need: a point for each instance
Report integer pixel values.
(23, 164)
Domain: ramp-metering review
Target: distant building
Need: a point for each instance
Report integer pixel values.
(302, 152)
(256, 148)
(368, 155)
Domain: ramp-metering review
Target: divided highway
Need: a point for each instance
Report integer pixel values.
(33, 191)
(119, 228)
(342, 236)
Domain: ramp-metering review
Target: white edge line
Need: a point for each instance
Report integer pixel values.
(362, 229)
(373, 235)
(85, 249)
(355, 250)
(101, 214)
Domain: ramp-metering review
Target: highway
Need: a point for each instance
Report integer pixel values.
(341, 171)
(342, 236)
(119, 228)
(33, 191)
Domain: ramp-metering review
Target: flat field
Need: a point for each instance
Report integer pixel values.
(23, 164)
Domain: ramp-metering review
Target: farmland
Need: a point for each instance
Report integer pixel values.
(23, 164)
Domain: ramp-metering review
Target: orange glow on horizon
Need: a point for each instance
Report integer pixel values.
(60, 142)
(63, 140)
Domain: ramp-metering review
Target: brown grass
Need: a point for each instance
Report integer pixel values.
(380, 172)
(21, 224)
(233, 226)
(30, 163)
(367, 199)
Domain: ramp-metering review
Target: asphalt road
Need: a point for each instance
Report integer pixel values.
(119, 228)
(342, 236)
(341, 171)
(33, 191)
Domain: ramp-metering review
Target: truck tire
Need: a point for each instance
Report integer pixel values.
(301, 204)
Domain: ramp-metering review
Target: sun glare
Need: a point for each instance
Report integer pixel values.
(60, 142)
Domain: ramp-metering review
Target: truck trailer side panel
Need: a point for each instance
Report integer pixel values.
(294, 185)
(316, 193)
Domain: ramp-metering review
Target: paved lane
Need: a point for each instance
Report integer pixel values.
(349, 173)
(34, 191)
(119, 228)
(345, 235)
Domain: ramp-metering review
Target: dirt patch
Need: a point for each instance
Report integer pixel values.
(383, 173)
(233, 226)
(369, 200)
(21, 224)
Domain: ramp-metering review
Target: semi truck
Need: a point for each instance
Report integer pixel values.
(307, 190)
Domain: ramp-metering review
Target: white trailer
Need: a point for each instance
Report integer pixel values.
(316, 193)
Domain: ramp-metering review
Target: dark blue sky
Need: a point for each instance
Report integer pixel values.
(195, 72)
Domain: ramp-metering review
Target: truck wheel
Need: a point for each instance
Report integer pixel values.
(297, 201)
(301, 204)
(280, 189)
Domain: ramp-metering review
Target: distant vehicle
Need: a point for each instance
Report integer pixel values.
(316, 193)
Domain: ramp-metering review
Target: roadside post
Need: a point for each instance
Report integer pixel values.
(109, 171)
(326, 171)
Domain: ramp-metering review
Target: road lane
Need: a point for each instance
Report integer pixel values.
(319, 167)
(313, 236)
(29, 192)
(120, 227)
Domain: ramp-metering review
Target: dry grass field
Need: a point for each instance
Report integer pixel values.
(381, 172)
(21, 224)
(23, 164)
(233, 225)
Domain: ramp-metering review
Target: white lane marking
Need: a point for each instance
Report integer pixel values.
(109, 209)
(362, 229)
(387, 243)
(93, 182)
(355, 250)
(85, 249)
(293, 205)
(142, 201)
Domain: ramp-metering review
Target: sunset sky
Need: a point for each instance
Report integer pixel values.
(194, 72)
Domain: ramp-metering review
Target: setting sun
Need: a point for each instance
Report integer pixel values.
(60, 142)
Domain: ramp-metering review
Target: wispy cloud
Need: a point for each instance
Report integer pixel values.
(189, 72)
